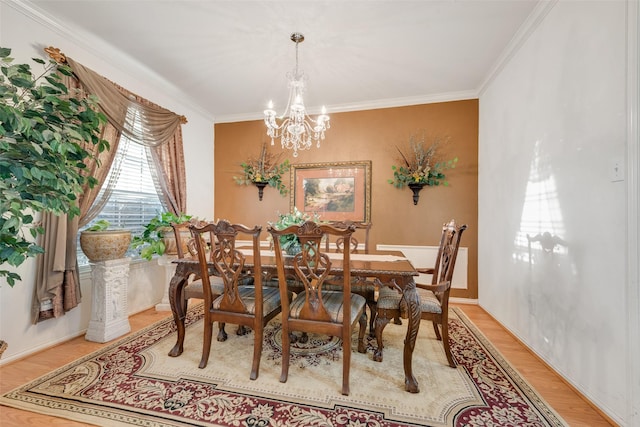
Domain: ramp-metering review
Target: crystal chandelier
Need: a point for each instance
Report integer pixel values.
(294, 127)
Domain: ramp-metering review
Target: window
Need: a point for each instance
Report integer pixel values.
(134, 200)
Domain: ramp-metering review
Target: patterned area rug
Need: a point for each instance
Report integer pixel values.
(134, 382)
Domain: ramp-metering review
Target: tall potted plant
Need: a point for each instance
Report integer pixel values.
(43, 132)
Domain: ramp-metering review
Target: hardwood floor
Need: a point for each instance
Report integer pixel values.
(570, 405)
(556, 392)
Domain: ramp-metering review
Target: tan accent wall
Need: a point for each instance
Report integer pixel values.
(369, 135)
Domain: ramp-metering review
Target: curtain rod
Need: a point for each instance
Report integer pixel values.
(61, 58)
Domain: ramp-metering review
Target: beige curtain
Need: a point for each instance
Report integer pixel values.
(168, 167)
(169, 173)
(57, 284)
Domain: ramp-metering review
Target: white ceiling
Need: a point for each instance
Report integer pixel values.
(231, 57)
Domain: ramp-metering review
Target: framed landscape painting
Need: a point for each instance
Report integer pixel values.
(337, 191)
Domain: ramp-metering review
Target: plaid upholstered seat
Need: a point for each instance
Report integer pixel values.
(390, 299)
(270, 299)
(333, 301)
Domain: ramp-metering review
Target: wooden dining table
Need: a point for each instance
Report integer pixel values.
(386, 268)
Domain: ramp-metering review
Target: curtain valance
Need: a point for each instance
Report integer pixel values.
(158, 125)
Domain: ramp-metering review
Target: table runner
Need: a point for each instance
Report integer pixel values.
(334, 255)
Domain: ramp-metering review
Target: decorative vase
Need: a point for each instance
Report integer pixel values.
(169, 240)
(416, 187)
(105, 245)
(260, 185)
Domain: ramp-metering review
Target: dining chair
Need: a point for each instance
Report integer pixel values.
(328, 312)
(184, 240)
(193, 289)
(360, 286)
(249, 305)
(434, 298)
(362, 231)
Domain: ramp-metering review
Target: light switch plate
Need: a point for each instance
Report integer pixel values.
(616, 170)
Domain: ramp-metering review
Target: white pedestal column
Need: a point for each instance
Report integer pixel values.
(169, 270)
(109, 317)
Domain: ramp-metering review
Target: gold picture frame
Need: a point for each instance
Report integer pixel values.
(336, 191)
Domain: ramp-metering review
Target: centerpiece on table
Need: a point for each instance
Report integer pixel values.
(289, 242)
(421, 164)
(264, 170)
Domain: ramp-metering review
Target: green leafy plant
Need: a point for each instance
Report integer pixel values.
(295, 218)
(151, 241)
(266, 168)
(43, 131)
(421, 164)
(99, 225)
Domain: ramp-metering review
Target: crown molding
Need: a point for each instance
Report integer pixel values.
(368, 105)
(106, 52)
(532, 22)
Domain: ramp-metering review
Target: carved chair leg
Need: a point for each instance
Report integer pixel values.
(363, 328)
(381, 322)
(257, 352)
(436, 329)
(206, 344)
(243, 330)
(346, 364)
(222, 334)
(373, 309)
(286, 348)
(179, 318)
(447, 347)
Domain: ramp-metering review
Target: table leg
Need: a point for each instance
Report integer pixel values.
(412, 300)
(178, 306)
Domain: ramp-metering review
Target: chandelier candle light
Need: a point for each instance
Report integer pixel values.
(296, 129)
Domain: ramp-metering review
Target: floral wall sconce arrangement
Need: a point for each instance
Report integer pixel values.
(420, 165)
(264, 170)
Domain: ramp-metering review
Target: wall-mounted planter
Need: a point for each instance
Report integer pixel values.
(260, 185)
(416, 191)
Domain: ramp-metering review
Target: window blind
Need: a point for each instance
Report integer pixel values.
(134, 200)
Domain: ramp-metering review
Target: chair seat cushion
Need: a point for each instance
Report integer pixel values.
(194, 289)
(361, 287)
(270, 298)
(333, 302)
(389, 299)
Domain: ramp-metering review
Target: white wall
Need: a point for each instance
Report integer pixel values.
(27, 33)
(552, 121)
